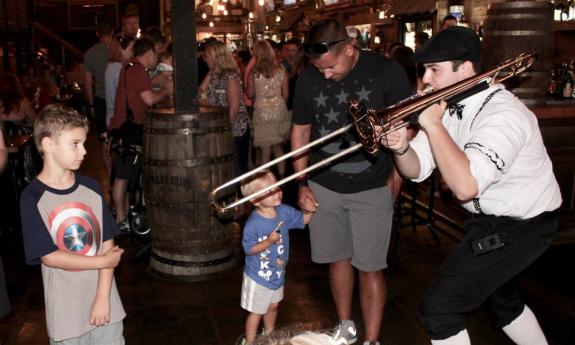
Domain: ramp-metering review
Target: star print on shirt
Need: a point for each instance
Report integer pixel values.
(363, 94)
(321, 99)
(74, 237)
(342, 97)
(323, 131)
(331, 116)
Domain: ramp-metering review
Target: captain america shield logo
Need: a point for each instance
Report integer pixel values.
(74, 228)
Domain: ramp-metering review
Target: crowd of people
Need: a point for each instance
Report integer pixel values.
(295, 93)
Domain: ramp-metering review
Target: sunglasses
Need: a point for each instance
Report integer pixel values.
(320, 48)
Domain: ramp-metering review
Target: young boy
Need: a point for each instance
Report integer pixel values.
(266, 244)
(68, 228)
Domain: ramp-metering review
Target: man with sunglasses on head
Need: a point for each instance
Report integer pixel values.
(489, 150)
(353, 205)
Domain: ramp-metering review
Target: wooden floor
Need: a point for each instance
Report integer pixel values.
(168, 312)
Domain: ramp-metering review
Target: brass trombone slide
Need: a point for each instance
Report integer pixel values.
(372, 125)
(222, 209)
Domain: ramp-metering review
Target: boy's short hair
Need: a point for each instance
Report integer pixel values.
(251, 184)
(155, 34)
(142, 46)
(55, 119)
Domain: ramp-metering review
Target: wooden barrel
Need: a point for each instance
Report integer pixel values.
(185, 157)
(514, 27)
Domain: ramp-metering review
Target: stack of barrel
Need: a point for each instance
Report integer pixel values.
(513, 27)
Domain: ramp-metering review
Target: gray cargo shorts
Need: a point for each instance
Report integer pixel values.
(355, 225)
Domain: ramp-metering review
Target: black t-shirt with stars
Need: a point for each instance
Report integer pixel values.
(377, 82)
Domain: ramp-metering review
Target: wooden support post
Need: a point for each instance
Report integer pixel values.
(185, 63)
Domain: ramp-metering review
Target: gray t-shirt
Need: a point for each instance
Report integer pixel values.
(95, 62)
(112, 78)
(74, 220)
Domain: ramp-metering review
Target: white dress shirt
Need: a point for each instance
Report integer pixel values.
(506, 153)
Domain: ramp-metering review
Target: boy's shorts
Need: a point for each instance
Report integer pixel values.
(110, 334)
(125, 168)
(257, 298)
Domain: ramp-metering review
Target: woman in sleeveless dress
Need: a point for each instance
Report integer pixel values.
(223, 87)
(268, 85)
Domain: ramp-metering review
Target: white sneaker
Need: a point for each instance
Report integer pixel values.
(344, 333)
(124, 227)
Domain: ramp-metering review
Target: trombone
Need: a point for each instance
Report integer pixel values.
(372, 125)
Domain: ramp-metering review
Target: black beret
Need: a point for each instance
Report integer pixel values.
(453, 43)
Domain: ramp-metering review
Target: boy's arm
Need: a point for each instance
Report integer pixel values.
(101, 308)
(265, 244)
(70, 261)
(307, 217)
(299, 218)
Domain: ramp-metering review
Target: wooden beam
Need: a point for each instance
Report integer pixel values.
(67, 45)
(185, 63)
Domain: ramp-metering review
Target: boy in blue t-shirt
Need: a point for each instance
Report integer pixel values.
(266, 244)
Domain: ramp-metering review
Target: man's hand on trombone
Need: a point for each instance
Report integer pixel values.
(395, 139)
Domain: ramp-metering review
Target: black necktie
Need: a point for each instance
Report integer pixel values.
(456, 109)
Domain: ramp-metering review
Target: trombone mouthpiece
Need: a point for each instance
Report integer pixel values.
(427, 89)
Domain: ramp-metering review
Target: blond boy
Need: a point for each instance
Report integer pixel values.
(266, 244)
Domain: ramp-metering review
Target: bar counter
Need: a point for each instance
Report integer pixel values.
(557, 123)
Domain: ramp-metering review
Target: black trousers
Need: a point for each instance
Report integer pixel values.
(465, 281)
(242, 150)
(100, 114)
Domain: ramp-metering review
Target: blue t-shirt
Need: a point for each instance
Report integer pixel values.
(268, 267)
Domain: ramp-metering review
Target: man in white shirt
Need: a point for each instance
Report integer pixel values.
(490, 152)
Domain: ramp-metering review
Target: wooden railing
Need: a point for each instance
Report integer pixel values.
(67, 48)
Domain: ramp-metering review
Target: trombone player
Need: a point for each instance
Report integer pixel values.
(352, 225)
(490, 151)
